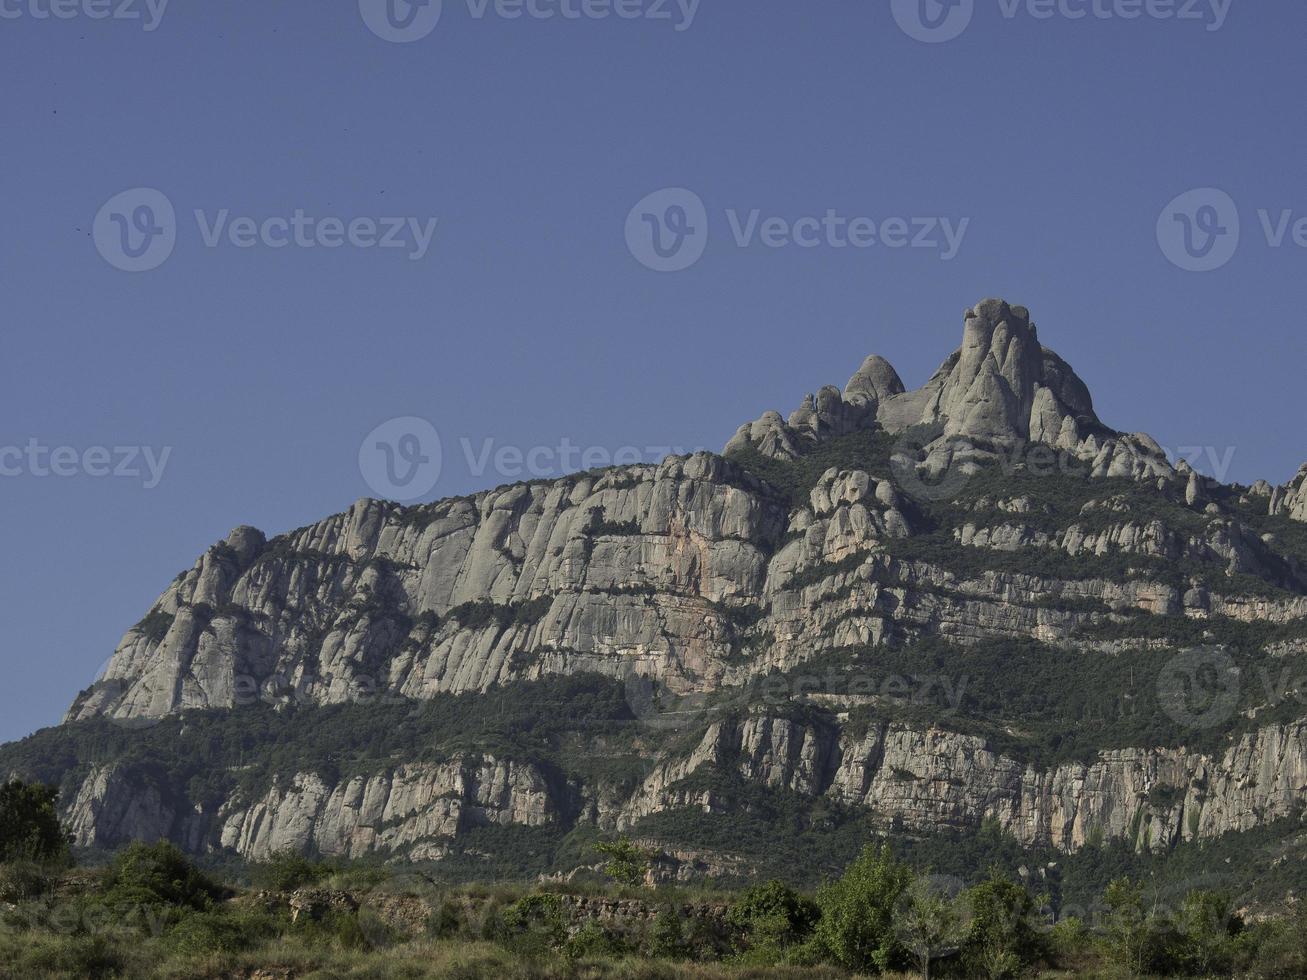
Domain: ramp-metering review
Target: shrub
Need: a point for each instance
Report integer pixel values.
(627, 863)
(84, 957)
(856, 928)
(29, 824)
(534, 925)
(1001, 939)
(1278, 949)
(221, 931)
(771, 918)
(147, 875)
(23, 881)
(667, 936)
(287, 871)
(594, 941)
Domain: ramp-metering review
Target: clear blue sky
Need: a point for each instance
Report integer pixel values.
(528, 321)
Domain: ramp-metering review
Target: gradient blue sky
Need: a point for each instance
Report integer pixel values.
(529, 321)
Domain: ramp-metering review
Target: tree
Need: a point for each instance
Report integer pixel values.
(29, 824)
(771, 918)
(1002, 939)
(667, 936)
(856, 928)
(1127, 932)
(1207, 927)
(930, 922)
(627, 863)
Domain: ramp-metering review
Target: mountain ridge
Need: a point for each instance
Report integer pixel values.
(986, 518)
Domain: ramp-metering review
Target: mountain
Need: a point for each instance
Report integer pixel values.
(913, 612)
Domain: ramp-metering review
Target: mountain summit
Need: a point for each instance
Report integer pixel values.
(1001, 387)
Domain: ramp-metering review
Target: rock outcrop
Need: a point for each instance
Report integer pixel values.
(1001, 387)
(1291, 499)
(921, 779)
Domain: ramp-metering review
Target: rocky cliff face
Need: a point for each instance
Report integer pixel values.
(874, 518)
(922, 780)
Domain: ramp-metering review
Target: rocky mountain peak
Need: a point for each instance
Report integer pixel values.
(1001, 386)
(875, 381)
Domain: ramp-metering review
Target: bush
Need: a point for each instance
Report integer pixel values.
(23, 881)
(1278, 950)
(771, 918)
(856, 928)
(288, 871)
(146, 875)
(594, 941)
(667, 937)
(84, 957)
(627, 863)
(29, 824)
(221, 931)
(1002, 939)
(534, 925)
